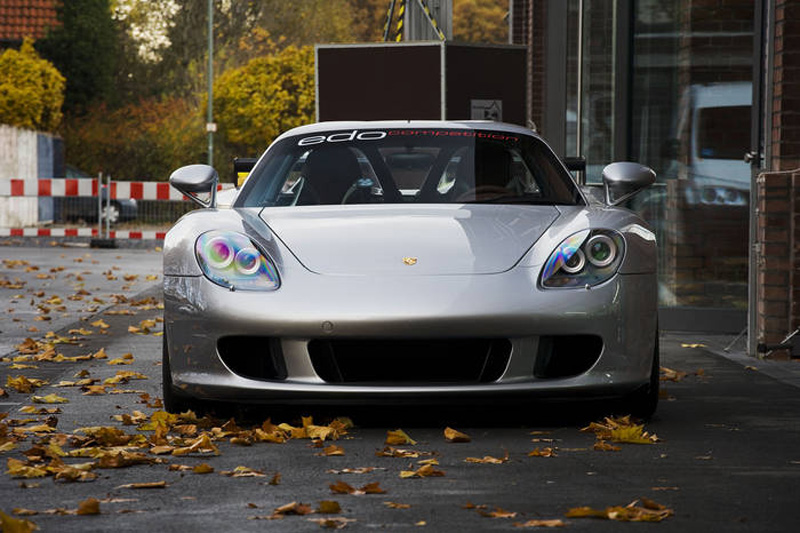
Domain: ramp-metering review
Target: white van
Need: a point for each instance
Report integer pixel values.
(717, 120)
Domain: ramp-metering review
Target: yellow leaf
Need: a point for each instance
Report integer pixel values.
(543, 452)
(119, 361)
(452, 435)
(541, 523)
(243, 471)
(423, 471)
(100, 323)
(332, 450)
(398, 436)
(19, 469)
(89, 506)
(203, 468)
(395, 505)
(50, 398)
(329, 507)
(100, 354)
(152, 485)
(497, 513)
(23, 384)
(16, 525)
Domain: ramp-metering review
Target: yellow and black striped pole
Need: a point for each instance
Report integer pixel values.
(389, 16)
(401, 17)
(424, 5)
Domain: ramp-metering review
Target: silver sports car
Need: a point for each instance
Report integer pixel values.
(396, 261)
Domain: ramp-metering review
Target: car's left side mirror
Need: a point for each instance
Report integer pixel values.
(623, 180)
(198, 182)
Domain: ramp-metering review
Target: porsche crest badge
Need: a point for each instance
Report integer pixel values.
(410, 261)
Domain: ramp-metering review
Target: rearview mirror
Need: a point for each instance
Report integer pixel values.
(624, 179)
(197, 182)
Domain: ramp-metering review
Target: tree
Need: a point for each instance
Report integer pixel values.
(480, 21)
(83, 48)
(31, 90)
(255, 103)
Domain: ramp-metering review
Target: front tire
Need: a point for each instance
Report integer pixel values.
(643, 402)
(174, 401)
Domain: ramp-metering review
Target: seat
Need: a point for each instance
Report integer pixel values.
(329, 172)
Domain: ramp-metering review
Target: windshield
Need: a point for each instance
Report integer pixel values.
(408, 166)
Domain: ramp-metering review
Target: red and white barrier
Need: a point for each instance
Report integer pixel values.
(79, 232)
(71, 187)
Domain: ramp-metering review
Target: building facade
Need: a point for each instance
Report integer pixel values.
(701, 91)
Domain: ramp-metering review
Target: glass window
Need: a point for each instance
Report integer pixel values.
(691, 115)
(407, 165)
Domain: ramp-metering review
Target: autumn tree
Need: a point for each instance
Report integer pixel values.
(83, 48)
(255, 103)
(480, 21)
(31, 90)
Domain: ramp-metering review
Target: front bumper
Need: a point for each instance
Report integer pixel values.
(309, 307)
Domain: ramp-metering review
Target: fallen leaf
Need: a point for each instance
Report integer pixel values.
(452, 435)
(89, 507)
(693, 345)
(243, 471)
(395, 505)
(151, 485)
(389, 451)
(541, 523)
(331, 450)
(293, 508)
(497, 513)
(23, 384)
(203, 468)
(337, 522)
(543, 452)
(421, 472)
(603, 446)
(360, 470)
(16, 525)
(340, 487)
(488, 459)
(643, 510)
(50, 398)
(19, 469)
(329, 507)
(398, 436)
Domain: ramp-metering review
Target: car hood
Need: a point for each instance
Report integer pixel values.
(409, 240)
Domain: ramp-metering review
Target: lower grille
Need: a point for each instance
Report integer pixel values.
(458, 361)
(253, 357)
(561, 356)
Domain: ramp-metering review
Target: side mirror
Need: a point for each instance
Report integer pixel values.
(241, 169)
(623, 180)
(197, 181)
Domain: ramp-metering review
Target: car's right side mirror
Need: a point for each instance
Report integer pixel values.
(623, 180)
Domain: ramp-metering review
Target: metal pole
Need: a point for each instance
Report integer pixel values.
(100, 205)
(579, 124)
(108, 208)
(210, 126)
(389, 16)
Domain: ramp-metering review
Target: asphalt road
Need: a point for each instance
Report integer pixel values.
(727, 458)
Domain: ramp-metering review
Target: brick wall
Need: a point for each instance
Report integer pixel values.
(785, 153)
(778, 259)
(527, 25)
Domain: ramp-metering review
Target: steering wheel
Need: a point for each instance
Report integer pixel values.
(482, 192)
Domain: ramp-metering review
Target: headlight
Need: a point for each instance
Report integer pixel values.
(231, 260)
(584, 258)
